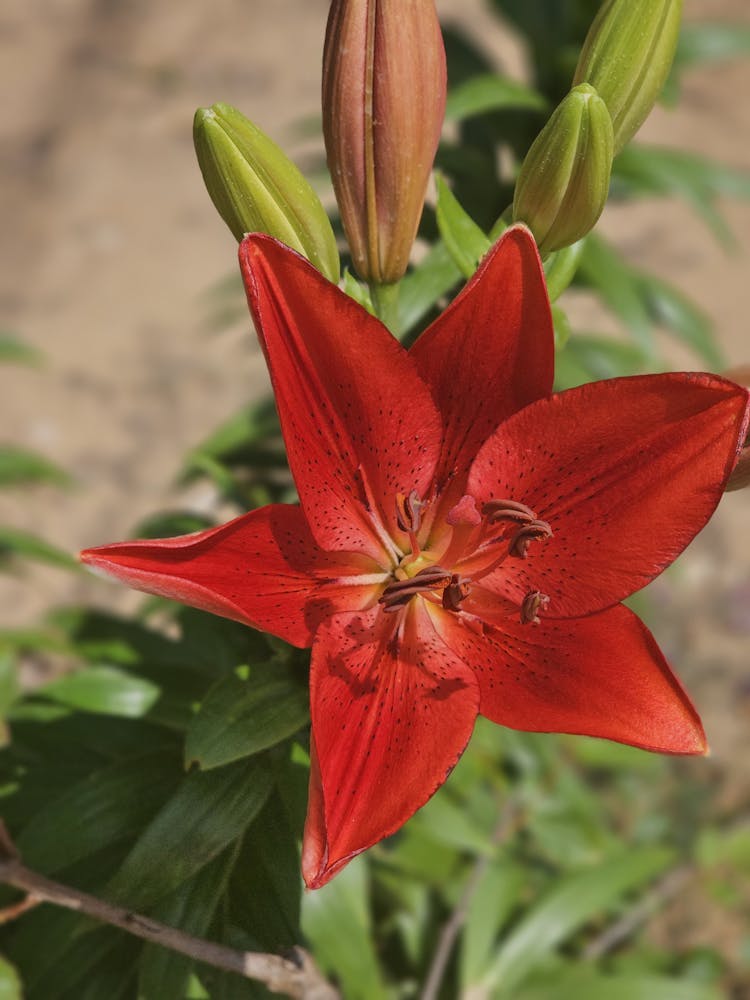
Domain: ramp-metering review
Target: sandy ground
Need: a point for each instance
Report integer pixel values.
(111, 248)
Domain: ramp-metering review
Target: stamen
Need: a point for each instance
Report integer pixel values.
(400, 592)
(534, 602)
(527, 533)
(508, 510)
(456, 591)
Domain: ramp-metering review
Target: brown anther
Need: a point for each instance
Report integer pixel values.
(409, 512)
(527, 533)
(456, 591)
(508, 510)
(534, 602)
(400, 592)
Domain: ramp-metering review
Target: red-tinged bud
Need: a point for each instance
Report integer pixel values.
(384, 90)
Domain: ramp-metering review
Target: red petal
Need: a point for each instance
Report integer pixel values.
(626, 472)
(598, 676)
(492, 351)
(264, 569)
(392, 710)
(360, 425)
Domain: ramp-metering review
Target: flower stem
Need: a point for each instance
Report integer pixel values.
(385, 302)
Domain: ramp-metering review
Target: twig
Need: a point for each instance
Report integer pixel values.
(669, 886)
(296, 976)
(507, 821)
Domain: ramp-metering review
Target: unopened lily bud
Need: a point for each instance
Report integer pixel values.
(564, 181)
(384, 89)
(627, 56)
(257, 189)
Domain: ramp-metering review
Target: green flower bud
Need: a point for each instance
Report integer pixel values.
(384, 90)
(627, 56)
(257, 189)
(564, 180)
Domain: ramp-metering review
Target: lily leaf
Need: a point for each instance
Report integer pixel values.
(207, 813)
(489, 92)
(466, 242)
(14, 544)
(336, 919)
(108, 805)
(571, 903)
(16, 351)
(104, 689)
(425, 285)
(244, 713)
(164, 973)
(19, 467)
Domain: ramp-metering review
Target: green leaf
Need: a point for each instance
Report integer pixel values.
(10, 984)
(171, 523)
(164, 973)
(208, 812)
(357, 291)
(336, 919)
(8, 682)
(242, 715)
(561, 326)
(466, 242)
(587, 357)
(109, 805)
(560, 269)
(489, 92)
(13, 350)
(587, 984)
(103, 689)
(434, 277)
(603, 268)
(671, 309)
(19, 467)
(15, 544)
(706, 41)
(564, 909)
(496, 897)
(649, 170)
(266, 886)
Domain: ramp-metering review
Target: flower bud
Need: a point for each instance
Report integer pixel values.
(627, 56)
(564, 181)
(384, 89)
(257, 189)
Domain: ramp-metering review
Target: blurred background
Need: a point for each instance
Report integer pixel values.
(115, 267)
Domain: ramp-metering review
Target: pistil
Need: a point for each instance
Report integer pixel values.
(409, 519)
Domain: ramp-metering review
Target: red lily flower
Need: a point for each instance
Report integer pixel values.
(463, 538)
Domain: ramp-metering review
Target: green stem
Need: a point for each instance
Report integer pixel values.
(385, 303)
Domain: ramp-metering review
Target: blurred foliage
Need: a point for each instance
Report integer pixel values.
(165, 764)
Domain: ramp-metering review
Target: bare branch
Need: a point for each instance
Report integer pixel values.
(297, 976)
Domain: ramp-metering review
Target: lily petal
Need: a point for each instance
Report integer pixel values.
(263, 569)
(625, 471)
(392, 710)
(491, 352)
(359, 423)
(598, 676)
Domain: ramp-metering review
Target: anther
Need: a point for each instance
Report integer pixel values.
(456, 591)
(409, 512)
(508, 510)
(400, 592)
(534, 602)
(526, 534)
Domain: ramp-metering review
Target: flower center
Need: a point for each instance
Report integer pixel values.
(468, 547)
